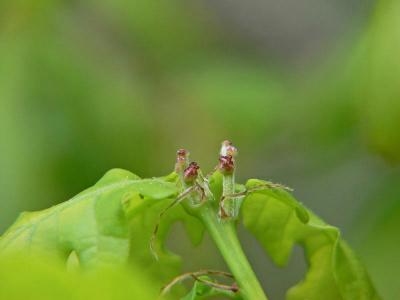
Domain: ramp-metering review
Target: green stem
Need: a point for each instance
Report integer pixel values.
(228, 184)
(231, 205)
(228, 187)
(224, 235)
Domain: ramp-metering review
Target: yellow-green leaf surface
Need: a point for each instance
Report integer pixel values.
(279, 222)
(94, 224)
(168, 264)
(34, 277)
(110, 223)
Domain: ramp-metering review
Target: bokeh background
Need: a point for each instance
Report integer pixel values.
(308, 90)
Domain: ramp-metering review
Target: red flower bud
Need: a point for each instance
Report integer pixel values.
(191, 172)
(181, 153)
(226, 164)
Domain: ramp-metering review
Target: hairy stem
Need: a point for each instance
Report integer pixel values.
(224, 235)
(229, 204)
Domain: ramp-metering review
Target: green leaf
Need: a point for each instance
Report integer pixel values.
(282, 196)
(94, 224)
(47, 279)
(110, 223)
(201, 290)
(278, 221)
(142, 226)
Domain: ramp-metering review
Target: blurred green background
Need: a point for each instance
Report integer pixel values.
(308, 90)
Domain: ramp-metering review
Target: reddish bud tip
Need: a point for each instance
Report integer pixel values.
(181, 160)
(191, 172)
(234, 288)
(226, 164)
(227, 149)
(181, 153)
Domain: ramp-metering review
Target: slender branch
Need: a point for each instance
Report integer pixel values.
(266, 186)
(194, 275)
(178, 200)
(220, 286)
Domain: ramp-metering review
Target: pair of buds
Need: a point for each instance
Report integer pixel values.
(190, 172)
(197, 191)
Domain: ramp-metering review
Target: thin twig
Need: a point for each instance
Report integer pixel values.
(194, 275)
(223, 213)
(216, 285)
(179, 199)
(255, 189)
(271, 185)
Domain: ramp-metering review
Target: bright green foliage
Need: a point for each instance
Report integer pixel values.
(203, 291)
(93, 224)
(25, 277)
(141, 228)
(334, 272)
(109, 223)
(112, 223)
